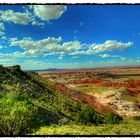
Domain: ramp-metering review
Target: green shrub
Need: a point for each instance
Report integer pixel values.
(111, 118)
(18, 116)
(89, 116)
(2, 94)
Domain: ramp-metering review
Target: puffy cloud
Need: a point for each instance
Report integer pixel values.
(60, 56)
(107, 56)
(70, 46)
(25, 43)
(2, 47)
(123, 58)
(41, 48)
(30, 14)
(112, 56)
(36, 23)
(2, 26)
(104, 55)
(79, 52)
(28, 54)
(49, 12)
(41, 45)
(15, 17)
(4, 56)
(4, 38)
(2, 33)
(109, 45)
(49, 45)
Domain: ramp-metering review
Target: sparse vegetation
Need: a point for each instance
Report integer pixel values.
(129, 128)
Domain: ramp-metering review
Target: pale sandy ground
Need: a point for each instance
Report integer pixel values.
(114, 99)
(123, 107)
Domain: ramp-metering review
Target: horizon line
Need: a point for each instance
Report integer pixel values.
(53, 69)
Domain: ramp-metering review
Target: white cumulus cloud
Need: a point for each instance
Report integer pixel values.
(108, 55)
(30, 14)
(49, 12)
(2, 33)
(47, 45)
(109, 45)
(2, 47)
(123, 58)
(36, 23)
(2, 26)
(15, 17)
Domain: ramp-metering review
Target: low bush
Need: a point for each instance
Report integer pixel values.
(89, 116)
(136, 117)
(2, 94)
(111, 118)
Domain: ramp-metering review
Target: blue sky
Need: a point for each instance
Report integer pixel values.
(69, 36)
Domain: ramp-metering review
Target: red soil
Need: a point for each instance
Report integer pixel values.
(95, 81)
(107, 83)
(133, 91)
(83, 98)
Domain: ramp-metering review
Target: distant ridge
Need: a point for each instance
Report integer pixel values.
(83, 69)
(49, 69)
(36, 70)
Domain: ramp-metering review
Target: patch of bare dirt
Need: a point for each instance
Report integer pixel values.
(121, 103)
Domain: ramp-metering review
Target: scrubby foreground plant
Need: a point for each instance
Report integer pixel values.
(17, 117)
(89, 116)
